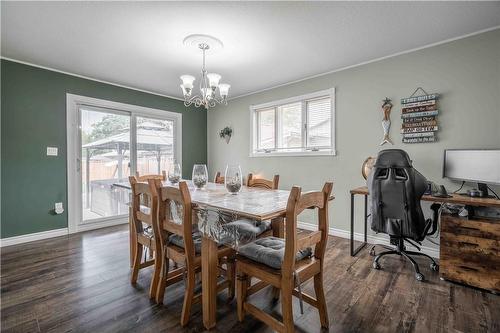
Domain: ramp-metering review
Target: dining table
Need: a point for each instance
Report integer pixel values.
(252, 203)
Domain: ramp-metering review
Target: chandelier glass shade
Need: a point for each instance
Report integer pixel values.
(212, 92)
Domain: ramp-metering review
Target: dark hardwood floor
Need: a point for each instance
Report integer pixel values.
(81, 283)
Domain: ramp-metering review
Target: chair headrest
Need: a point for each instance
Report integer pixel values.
(393, 158)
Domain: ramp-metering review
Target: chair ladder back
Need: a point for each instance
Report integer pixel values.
(141, 192)
(145, 178)
(288, 266)
(181, 198)
(323, 223)
(262, 182)
(310, 200)
(157, 210)
(219, 179)
(297, 203)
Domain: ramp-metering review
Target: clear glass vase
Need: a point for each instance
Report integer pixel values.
(233, 179)
(200, 176)
(174, 173)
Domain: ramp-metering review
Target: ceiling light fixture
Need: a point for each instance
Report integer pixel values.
(209, 83)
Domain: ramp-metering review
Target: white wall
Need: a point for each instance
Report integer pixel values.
(465, 72)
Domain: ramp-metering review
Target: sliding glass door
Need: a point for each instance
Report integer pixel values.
(105, 161)
(112, 144)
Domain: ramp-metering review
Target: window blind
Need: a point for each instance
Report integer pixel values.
(319, 122)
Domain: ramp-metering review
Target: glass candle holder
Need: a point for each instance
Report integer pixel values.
(200, 176)
(233, 179)
(174, 173)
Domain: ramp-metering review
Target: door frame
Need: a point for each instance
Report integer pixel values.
(73, 104)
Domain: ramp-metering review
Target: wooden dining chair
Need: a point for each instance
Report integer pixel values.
(255, 229)
(218, 179)
(145, 178)
(180, 241)
(276, 225)
(286, 264)
(142, 212)
(262, 182)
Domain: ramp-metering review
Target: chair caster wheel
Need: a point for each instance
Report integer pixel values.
(435, 267)
(376, 265)
(419, 277)
(372, 252)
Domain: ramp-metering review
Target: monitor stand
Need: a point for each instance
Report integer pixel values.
(484, 188)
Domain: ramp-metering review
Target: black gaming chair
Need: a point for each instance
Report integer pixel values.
(395, 190)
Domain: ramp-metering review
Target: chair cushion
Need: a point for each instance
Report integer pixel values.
(247, 229)
(179, 241)
(270, 251)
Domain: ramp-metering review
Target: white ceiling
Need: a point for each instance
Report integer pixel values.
(139, 44)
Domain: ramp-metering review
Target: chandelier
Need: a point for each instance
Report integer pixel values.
(209, 82)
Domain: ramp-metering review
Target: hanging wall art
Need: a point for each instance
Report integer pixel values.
(419, 114)
(386, 121)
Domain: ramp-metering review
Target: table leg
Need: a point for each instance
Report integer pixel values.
(359, 248)
(209, 273)
(366, 218)
(132, 236)
(278, 227)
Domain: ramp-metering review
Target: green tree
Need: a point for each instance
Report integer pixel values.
(110, 124)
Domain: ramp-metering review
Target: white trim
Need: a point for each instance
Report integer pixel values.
(329, 152)
(367, 62)
(33, 237)
(372, 239)
(325, 151)
(73, 103)
(90, 78)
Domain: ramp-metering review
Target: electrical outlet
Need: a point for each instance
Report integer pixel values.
(58, 208)
(51, 151)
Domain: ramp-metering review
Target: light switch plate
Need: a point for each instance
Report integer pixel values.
(51, 151)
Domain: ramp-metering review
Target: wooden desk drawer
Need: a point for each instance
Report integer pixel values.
(470, 251)
(480, 228)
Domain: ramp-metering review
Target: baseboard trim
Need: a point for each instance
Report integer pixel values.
(33, 237)
(101, 224)
(307, 226)
(4, 242)
(359, 237)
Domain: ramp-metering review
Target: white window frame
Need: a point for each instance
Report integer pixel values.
(73, 105)
(326, 151)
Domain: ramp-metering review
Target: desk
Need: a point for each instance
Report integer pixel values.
(456, 199)
(469, 247)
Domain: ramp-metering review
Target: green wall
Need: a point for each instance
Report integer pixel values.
(34, 117)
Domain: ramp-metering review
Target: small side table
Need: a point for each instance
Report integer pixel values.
(364, 192)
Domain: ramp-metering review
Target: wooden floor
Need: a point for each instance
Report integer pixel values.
(81, 283)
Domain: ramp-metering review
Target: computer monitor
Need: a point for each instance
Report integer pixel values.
(481, 166)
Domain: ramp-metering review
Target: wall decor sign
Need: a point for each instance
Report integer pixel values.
(419, 114)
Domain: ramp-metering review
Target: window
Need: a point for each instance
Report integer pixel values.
(302, 125)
